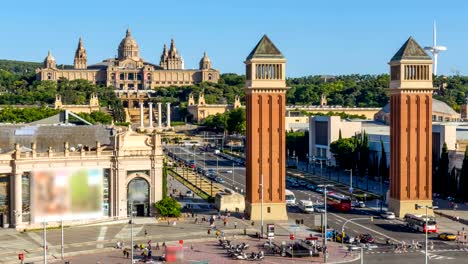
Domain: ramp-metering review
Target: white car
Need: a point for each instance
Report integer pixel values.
(388, 215)
(189, 194)
(228, 171)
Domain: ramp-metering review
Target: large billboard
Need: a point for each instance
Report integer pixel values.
(66, 194)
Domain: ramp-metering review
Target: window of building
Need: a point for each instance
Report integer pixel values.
(434, 118)
(140, 86)
(131, 85)
(131, 76)
(268, 209)
(121, 86)
(321, 133)
(25, 196)
(139, 77)
(210, 77)
(440, 118)
(105, 192)
(122, 76)
(49, 76)
(113, 76)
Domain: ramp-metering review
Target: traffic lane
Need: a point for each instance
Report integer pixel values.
(381, 228)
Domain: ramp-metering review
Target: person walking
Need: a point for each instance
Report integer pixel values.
(225, 221)
(235, 225)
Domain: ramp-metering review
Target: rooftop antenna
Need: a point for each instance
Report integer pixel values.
(435, 49)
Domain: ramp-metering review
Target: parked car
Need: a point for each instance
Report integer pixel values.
(365, 238)
(319, 208)
(189, 194)
(219, 180)
(447, 236)
(388, 215)
(228, 171)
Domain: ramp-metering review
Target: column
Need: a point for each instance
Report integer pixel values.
(159, 116)
(141, 115)
(168, 115)
(17, 202)
(150, 115)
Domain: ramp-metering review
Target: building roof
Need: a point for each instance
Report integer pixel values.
(437, 107)
(265, 49)
(53, 136)
(410, 51)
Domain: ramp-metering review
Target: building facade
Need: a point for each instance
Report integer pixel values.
(201, 110)
(265, 90)
(411, 90)
(128, 71)
(130, 165)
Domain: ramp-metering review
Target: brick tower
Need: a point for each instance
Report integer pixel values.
(265, 89)
(410, 129)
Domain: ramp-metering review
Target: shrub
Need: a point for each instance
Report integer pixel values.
(168, 207)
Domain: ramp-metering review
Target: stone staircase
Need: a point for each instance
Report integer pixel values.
(133, 116)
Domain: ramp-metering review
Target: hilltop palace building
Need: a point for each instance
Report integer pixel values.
(128, 71)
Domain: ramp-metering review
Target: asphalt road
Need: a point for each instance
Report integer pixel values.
(380, 229)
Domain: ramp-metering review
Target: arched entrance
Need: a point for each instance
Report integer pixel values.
(138, 194)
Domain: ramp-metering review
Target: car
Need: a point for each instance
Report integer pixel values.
(388, 215)
(319, 190)
(189, 194)
(365, 238)
(310, 186)
(346, 240)
(219, 180)
(228, 171)
(447, 236)
(319, 209)
(361, 204)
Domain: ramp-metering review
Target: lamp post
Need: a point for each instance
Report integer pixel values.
(417, 206)
(131, 230)
(261, 205)
(324, 186)
(45, 241)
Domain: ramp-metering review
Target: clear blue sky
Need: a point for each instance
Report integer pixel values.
(317, 37)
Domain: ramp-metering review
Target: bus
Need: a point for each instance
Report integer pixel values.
(418, 223)
(290, 198)
(342, 204)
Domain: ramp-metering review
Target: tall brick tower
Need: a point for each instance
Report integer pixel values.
(265, 89)
(410, 129)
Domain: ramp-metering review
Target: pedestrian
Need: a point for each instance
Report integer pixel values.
(146, 232)
(124, 252)
(157, 246)
(235, 225)
(149, 244)
(150, 254)
(217, 234)
(164, 245)
(253, 223)
(128, 253)
(209, 231)
(196, 220)
(225, 221)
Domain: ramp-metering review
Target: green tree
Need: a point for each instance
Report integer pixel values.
(344, 151)
(441, 181)
(236, 121)
(298, 142)
(464, 178)
(168, 207)
(383, 168)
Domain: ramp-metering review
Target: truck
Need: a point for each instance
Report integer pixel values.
(306, 206)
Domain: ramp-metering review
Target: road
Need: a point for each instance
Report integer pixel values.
(380, 229)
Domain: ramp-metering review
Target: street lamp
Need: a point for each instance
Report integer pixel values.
(261, 209)
(417, 206)
(324, 186)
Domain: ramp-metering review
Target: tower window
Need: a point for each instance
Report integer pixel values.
(122, 76)
(131, 76)
(395, 73)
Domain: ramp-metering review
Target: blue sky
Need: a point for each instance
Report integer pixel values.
(317, 37)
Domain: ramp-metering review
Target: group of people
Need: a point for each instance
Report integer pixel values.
(145, 249)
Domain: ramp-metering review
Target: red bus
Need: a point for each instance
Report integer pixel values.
(339, 204)
(418, 223)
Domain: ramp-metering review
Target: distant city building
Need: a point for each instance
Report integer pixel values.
(441, 112)
(128, 71)
(201, 110)
(91, 107)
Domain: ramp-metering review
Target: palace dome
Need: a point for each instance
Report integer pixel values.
(128, 48)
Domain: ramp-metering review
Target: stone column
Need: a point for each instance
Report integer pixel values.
(150, 115)
(168, 115)
(159, 116)
(141, 115)
(17, 211)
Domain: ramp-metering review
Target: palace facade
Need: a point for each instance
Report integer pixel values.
(128, 71)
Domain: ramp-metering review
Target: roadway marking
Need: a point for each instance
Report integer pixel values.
(372, 230)
(434, 256)
(102, 235)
